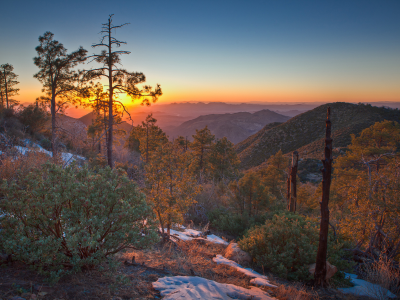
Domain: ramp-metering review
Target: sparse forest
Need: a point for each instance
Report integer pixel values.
(108, 196)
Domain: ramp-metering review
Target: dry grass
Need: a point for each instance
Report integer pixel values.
(191, 258)
(11, 162)
(382, 273)
(294, 292)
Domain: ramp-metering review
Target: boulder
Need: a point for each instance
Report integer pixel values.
(233, 252)
(330, 270)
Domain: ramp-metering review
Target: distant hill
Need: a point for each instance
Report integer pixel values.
(163, 120)
(236, 127)
(71, 127)
(194, 110)
(87, 120)
(306, 131)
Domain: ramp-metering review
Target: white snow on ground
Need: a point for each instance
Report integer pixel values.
(261, 282)
(67, 157)
(216, 239)
(190, 234)
(191, 288)
(365, 288)
(259, 279)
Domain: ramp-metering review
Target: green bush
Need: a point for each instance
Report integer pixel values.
(233, 224)
(64, 220)
(287, 244)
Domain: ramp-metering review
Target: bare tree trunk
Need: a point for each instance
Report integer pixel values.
(320, 268)
(53, 124)
(293, 187)
(5, 87)
(110, 101)
(1, 97)
(288, 188)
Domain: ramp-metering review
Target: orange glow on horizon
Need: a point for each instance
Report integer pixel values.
(289, 94)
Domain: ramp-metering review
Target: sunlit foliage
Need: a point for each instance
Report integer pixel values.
(170, 186)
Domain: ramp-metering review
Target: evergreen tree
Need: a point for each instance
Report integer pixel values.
(146, 138)
(366, 184)
(169, 184)
(251, 196)
(98, 130)
(201, 146)
(224, 162)
(182, 142)
(60, 81)
(275, 174)
(8, 80)
(120, 81)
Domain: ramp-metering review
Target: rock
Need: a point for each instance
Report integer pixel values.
(193, 288)
(233, 252)
(330, 270)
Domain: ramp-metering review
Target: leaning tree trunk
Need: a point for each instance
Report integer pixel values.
(320, 268)
(293, 188)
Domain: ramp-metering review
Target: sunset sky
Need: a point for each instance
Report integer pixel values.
(232, 51)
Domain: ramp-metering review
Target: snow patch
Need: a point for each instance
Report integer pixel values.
(188, 288)
(190, 234)
(261, 282)
(260, 279)
(66, 157)
(365, 288)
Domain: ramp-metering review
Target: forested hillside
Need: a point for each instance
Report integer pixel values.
(305, 132)
(235, 127)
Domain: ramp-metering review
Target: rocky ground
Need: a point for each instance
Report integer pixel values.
(134, 278)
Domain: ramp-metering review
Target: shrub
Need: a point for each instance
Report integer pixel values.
(233, 224)
(64, 220)
(287, 244)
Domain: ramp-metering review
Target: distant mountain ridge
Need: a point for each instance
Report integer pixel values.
(305, 132)
(236, 127)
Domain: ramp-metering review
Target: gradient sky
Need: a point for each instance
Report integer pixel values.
(232, 51)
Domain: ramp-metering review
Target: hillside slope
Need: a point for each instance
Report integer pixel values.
(236, 127)
(305, 132)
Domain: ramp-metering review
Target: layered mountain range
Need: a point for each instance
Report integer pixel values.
(236, 127)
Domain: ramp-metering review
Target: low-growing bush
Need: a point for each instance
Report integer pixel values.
(287, 244)
(233, 224)
(64, 220)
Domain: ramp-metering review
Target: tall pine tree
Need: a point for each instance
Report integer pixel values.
(120, 81)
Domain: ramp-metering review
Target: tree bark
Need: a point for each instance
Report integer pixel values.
(293, 187)
(110, 101)
(5, 87)
(53, 125)
(320, 268)
(288, 188)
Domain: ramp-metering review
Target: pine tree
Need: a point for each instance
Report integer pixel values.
(201, 146)
(97, 100)
(120, 81)
(366, 182)
(169, 185)
(275, 174)
(60, 81)
(224, 162)
(251, 196)
(146, 138)
(8, 80)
